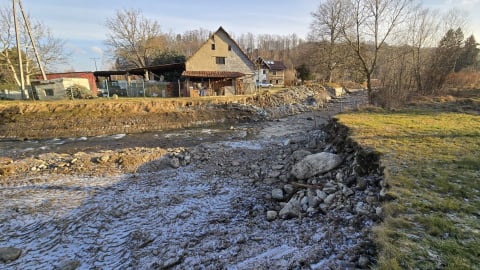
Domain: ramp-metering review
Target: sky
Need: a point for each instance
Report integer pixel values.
(81, 24)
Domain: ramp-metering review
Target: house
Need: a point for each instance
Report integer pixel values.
(270, 71)
(219, 67)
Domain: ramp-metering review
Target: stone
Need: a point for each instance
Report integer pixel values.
(347, 191)
(68, 265)
(175, 163)
(272, 215)
(329, 199)
(277, 194)
(361, 209)
(8, 254)
(363, 262)
(316, 164)
(371, 199)
(321, 194)
(289, 189)
(362, 183)
(274, 174)
(103, 159)
(289, 211)
(299, 155)
(378, 211)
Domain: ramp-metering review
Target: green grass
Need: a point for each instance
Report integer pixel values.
(431, 161)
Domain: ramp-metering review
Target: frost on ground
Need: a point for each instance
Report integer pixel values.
(208, 214)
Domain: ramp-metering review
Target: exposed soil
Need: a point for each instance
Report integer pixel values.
(190, 199)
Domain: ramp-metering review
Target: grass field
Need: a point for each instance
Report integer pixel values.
(431, 159)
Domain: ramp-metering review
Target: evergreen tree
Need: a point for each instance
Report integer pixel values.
(468, 55)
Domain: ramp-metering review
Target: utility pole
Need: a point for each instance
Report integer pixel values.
(27, 24)
(95, 61)
(19, 51)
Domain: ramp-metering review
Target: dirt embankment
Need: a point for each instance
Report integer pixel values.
(27, 120)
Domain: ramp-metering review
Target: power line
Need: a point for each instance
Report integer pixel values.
(95, 61)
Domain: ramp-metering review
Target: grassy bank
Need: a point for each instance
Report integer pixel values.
(431, 156)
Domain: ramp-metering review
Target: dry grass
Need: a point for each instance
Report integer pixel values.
(431, 161)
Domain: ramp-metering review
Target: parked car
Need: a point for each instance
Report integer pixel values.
(264, 85)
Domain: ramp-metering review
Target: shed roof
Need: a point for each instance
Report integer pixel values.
(212, 74)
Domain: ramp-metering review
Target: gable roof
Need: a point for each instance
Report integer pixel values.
(221, 29)
(272, 65)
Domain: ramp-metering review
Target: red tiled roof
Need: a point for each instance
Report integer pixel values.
(212, 74)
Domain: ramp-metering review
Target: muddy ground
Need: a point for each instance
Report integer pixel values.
(187, 199)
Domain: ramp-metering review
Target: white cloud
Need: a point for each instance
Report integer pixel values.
(96, 50)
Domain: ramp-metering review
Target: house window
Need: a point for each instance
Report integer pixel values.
(276, 82)
(229, 47)
(274, 72)
(49, 92)
(264, 71)
(220, 60)
(213, 47)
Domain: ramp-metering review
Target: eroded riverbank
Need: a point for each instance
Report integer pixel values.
(200, 206)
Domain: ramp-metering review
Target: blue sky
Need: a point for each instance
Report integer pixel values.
(81, 23)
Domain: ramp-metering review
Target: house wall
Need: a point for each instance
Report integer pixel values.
(205, 58)
(55, 89)
(279, 76)
(86, 75)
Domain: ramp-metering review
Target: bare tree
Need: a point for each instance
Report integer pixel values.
(423, 27)
(369, 24)
(326, 29)
(51, 49)
(133, 39)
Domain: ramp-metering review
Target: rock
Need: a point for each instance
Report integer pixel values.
(329, 199)
(103, 159)
(8, 254)
(321, 194)
(274, 174)
(347, 191)
(361, 209)
(363, 262)
(289, 189)
(277, 194)
(378, 211)
(329, 188)
(299, 155)
(362, 183)
(174, 163)
(272, 215)
(68, 265)
(315, 164)
(371, 199)
(289, 211)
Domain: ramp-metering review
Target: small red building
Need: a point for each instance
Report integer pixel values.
(86, 75)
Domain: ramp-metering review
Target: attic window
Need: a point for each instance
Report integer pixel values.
(213, 47)
(220, 60)
(229, 47)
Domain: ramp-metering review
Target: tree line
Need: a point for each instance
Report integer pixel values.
(408, 48)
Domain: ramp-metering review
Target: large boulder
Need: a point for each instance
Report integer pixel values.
(315, 164)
